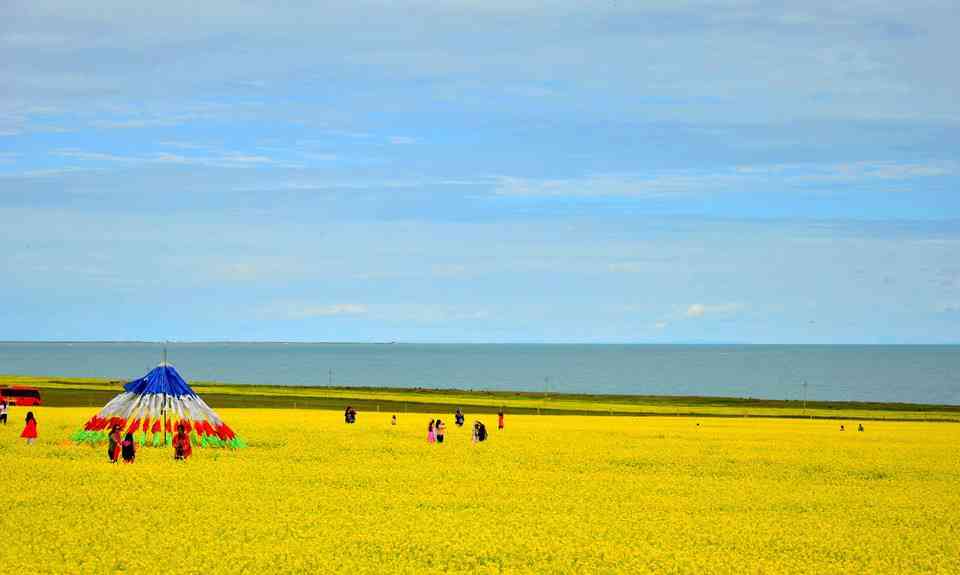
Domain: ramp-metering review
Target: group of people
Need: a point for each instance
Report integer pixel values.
(436, 429)
(29, 425)
(125, 447)
(117, 447)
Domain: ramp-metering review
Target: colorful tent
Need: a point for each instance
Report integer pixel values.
(157, 404)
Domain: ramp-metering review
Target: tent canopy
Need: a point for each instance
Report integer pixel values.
(153, 407)
(161, 379)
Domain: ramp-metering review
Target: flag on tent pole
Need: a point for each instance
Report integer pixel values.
(157, 404)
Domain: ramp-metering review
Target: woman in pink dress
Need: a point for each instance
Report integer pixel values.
(30, 429)
(431, 434)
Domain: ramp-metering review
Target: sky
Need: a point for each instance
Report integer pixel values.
(480, 171)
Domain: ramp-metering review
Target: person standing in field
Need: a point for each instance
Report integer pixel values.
(181, 444)
(479, 432)
(431, 434)
(29, 428)
(3, 411)
(393, 420)
(128, 449)
(113, 444)
(500, 419)
(441, 429)
(458, 418)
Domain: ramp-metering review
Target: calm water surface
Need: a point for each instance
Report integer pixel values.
(919, 374)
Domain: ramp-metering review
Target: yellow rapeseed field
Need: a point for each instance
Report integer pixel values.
(547, 494)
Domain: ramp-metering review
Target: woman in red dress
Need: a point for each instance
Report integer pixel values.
(30, 428)
(113, 447)
(181, 444)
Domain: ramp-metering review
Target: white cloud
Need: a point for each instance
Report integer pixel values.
(450, 270)
(402, 140)
(301, 310)
(949, 308)
(602, 185)
(430, 313)
(220, 159)
(626, 267)
(701, 310)
(661, 325)
(763, 177)
(50, 173)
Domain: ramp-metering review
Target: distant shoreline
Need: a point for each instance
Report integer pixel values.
(480, 343)
(94, 392)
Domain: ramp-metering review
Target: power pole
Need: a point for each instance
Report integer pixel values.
(330, 377)
(804, 397)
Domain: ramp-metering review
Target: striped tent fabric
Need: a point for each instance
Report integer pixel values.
(153, 407)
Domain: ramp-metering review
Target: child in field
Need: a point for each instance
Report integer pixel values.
(113, 444)
(128, 448)
(441, 429)
(500, 419)
(29, 428)
(431, 434)
(393, 420)
(3, 411)
(859, 427)
(458, 418)
(181, 444)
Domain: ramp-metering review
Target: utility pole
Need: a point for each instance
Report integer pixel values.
(804, 397)
(546, 386)
(330, 377)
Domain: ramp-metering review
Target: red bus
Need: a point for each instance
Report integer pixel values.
(20, 395)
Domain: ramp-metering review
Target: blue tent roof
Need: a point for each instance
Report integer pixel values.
(161, 379)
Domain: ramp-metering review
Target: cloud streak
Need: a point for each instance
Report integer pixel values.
(740, 178)
(699, 310)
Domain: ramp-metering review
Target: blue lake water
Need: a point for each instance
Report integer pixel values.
(917, 374)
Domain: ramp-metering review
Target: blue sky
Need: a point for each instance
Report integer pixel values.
(480, 171)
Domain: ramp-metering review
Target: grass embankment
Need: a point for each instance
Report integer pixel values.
(91, 392)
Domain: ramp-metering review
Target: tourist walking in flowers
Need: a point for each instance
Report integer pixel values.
(431, 434)
(128, 449)
(441, 429)
(458, 418)
(500, 419)
(3, 411)
(29, 428)
(113, 444)
(181, 444)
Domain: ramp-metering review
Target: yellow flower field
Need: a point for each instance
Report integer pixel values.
(548, 494)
